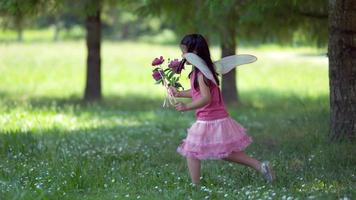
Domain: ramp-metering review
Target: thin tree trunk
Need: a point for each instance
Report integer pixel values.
(19, 34)
(125, 32)
(228, 48)
(19, 27)
(93, 41)
(342, 69)
(56, 32)
(57, 29)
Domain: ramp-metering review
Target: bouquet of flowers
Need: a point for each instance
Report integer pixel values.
(168, 77)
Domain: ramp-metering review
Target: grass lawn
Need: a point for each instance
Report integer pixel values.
(53, 146)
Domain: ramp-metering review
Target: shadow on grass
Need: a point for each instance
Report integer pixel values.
(260, 110)
(123, 103)
(275, 120)
(267, 101)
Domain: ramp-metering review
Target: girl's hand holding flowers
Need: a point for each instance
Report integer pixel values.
(180, 106)
(174, 91)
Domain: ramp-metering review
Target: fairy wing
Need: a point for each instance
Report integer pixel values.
(222, 66)
(200, 64)
(228, 63)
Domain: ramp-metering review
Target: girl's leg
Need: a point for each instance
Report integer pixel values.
(242, 158)
(194, 169)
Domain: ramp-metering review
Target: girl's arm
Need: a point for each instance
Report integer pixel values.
(184, 93)
(204, 99)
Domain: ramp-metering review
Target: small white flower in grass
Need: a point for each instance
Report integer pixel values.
(226, 195)
(127, 195)
(38, 185)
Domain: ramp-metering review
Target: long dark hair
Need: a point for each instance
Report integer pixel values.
(197, 43)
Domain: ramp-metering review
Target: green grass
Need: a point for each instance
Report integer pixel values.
(54, 146)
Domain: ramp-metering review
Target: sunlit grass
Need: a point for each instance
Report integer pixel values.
(54, 146)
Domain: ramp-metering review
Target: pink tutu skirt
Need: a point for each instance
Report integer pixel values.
(214, 139)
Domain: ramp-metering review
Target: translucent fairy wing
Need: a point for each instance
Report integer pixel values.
(228, 63)
(200, 64)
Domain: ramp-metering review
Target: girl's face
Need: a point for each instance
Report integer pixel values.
(184, 51)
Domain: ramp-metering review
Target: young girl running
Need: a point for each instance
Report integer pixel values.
(214, 135)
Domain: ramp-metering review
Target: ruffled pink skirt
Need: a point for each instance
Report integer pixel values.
(214, 139)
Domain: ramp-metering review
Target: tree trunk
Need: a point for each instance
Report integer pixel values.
(57, 29)
(19, 27)
(19, 34)
(93, 41)
(342, 69)
(125, 32)
(228, 48)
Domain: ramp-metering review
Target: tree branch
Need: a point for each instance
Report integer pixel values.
(312, 14)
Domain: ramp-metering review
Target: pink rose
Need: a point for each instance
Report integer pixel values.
(157, 61)
(157, 75)
(176, 66)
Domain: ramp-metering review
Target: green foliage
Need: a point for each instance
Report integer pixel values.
(285, 22)
(17, 13)
(117, 18)
(177, 14)
(121, 23)
(211, 19)
(14, 7)
(297, 22)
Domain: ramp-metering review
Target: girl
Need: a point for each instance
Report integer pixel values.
(214, 135)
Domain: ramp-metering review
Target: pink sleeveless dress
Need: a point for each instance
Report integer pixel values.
(214, 135)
